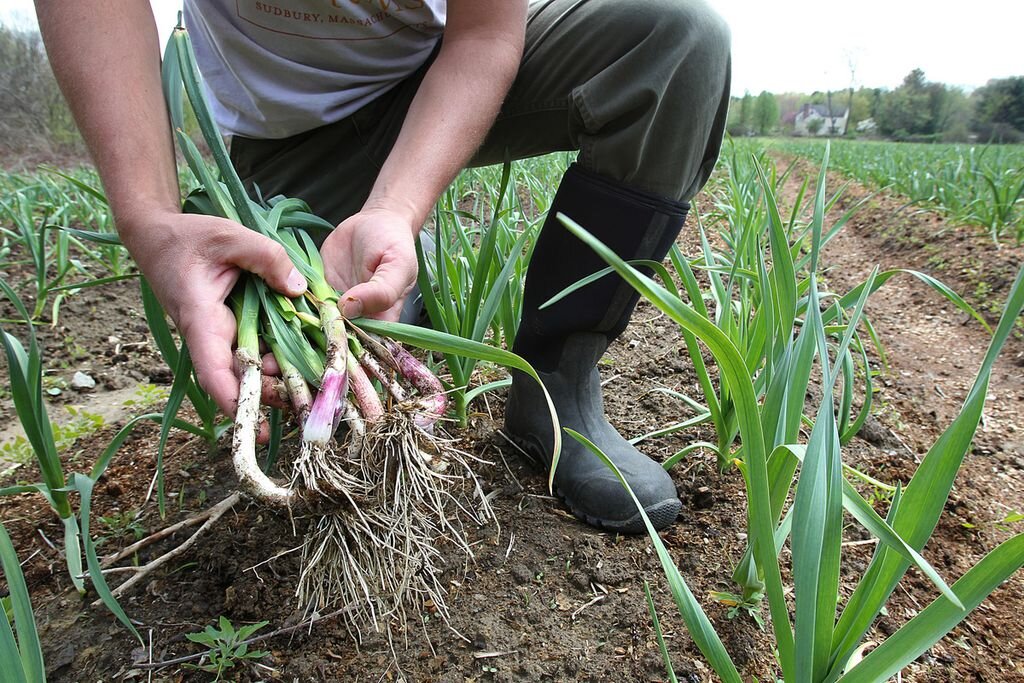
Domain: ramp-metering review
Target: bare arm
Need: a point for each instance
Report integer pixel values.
(106, 57)
(107, 60)
(455, 105)
(371, 254)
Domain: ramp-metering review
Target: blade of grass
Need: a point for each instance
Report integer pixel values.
(27, 648)
(659, 635)
(941, 616)
(925, 496)
(84, 486)
(817, 526)
(697, 622)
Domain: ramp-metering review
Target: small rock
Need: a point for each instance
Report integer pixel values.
(110, 383)
(82, 382)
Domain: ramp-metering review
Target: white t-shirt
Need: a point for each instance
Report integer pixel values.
(278, 69)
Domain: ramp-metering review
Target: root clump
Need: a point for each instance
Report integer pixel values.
(389, 503)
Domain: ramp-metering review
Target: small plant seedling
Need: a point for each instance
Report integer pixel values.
(1012, 518)
(1004, 524)
(147, 395)
(54, 385)
(123, 524)
(737, 605)
(227, 646)
(82, 423)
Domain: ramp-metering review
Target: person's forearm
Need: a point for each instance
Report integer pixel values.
(450, 115)
(106, 57)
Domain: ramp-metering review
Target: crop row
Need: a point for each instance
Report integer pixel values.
(979, 185)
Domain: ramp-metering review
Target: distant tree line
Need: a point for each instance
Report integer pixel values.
(33, 114)
(917, 110)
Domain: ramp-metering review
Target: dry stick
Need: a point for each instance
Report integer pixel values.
(597, 599)
(168, 531)
(216, 513)
(250, 641)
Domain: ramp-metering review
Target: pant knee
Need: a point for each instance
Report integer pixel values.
(691, 40)
(678, 50)
(674, 30)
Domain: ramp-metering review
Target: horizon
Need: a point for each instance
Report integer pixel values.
(791, 47)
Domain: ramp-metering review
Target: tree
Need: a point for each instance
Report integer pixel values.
(741, 117)
(999, 109)
(953, 112)
(766, 113)
(33, 114)
(906, 112)
(862, 105)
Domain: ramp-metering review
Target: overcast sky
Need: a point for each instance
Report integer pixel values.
(807, 45)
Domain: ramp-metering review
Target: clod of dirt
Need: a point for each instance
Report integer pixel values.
(521, 575)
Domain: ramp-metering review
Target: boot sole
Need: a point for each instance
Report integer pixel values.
(661, 514)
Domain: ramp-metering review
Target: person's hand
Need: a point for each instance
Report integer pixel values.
(371, 259)
(192, 262)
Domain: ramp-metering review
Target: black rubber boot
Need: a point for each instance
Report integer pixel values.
(564, 342)
(414, 311)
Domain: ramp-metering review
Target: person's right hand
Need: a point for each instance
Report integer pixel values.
(192, 263)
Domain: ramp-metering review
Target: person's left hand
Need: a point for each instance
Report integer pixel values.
(371, 259)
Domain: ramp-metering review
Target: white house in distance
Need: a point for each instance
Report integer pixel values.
(816, 119)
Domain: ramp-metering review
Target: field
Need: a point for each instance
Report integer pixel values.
(979, 185)
(545, 598)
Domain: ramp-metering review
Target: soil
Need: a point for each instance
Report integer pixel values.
(546, 598)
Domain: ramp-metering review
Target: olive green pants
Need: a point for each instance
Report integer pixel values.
(639, 87)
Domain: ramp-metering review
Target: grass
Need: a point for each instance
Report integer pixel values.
(484, 230)
(41, 220)
(750, 287)
(25, 374)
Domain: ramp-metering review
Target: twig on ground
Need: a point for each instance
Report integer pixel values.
(150, 655)
(164, 533)
(269, 560)
(46, 540)
(491, 655)
(211, 517)
(597, 599)
(515, 479)
(10, 470)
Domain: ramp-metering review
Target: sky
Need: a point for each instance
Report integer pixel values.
(804, 46)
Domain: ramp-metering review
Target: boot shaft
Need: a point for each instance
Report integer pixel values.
(634, 224)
